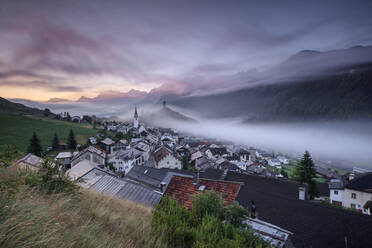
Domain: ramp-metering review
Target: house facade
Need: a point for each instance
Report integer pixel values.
(164, 158)
(357, 194)
(124, 160)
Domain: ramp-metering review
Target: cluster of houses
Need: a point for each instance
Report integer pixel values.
(157, 164)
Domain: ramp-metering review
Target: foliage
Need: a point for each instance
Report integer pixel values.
(235, 214)
(305, 172)
(8, 156)
(186, 163)
(34, 146)
(55, 142)
(203, 226)
(284, 173)
(172, 223)
(51, 179)
(87, 118)
(111, 167)
(71, 142)
(209, 203)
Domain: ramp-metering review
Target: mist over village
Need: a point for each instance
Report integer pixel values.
(185, 123)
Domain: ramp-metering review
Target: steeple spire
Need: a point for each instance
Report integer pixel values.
(135, 120)
(135, 112)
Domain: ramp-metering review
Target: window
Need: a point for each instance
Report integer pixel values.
(352, 205)
(353, 195)
(336, 192)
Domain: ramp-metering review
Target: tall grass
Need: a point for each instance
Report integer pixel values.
(30, 218)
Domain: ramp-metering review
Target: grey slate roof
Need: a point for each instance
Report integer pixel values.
(139, 194)
(121, 188)
(152, 176)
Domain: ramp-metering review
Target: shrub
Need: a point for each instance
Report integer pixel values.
(204, 226)
(235, 214)
(50, 178)
(171, 222)
(208, 203)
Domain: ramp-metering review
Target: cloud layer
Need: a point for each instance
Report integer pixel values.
(183, 46)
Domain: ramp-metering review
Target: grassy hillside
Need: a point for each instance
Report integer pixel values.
(31, 218)
(11, 107)
(17, 130)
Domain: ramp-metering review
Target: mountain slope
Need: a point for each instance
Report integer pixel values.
(17, 108)
(163, 115)
(342, 96)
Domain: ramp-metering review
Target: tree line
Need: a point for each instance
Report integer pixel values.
(36, 149)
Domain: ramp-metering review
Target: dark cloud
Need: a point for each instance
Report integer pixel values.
(172, 41)
(48, 86)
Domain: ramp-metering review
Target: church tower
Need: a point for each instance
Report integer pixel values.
(135, 120)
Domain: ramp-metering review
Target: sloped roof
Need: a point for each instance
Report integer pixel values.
(31, 159)
(81, 169)
(218, 150)
(153, 176)
(62, 155)
(361, 183)
(183, 189)
(127, 154)
(336, 184)
(107, 141)
(227, 165)
(313, 224)
(91, 149)
(126, 190)
(161, 153)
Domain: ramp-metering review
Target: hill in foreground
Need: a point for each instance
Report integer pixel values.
(30, 218)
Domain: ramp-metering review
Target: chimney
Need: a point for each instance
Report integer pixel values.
(302, 194)
(196, 177)
(162, 186)
(351, 175)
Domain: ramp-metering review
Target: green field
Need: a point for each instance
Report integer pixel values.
(17, 130)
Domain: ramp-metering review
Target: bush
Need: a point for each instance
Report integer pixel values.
(171, 222)
(235, 214)
(204, 226)
(51, 179)
(208, 203)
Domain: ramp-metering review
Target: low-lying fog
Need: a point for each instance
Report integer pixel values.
(345, 144)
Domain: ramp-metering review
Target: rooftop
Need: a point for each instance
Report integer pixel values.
(361, 183)
(313, 224)
(183, 189)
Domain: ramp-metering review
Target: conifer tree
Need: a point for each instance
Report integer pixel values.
(34, 147)
(71, 142)
(55, 142)
(305, 172)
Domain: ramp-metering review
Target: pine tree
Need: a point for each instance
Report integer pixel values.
(55, 142)
(305, 172)
(35, 147)
(71, 142)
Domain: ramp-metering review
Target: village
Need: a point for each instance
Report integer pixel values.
(153, 162)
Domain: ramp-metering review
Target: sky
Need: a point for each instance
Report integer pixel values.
(68, 49)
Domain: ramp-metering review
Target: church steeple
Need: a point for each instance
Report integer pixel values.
(135, 120)
(135, 113)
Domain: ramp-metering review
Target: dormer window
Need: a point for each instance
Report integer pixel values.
(201, 188)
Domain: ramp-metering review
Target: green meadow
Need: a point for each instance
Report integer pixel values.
(17, 130)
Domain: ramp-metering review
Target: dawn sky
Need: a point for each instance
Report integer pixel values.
(67, 49)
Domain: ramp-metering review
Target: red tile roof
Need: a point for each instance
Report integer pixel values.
(183, 189)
